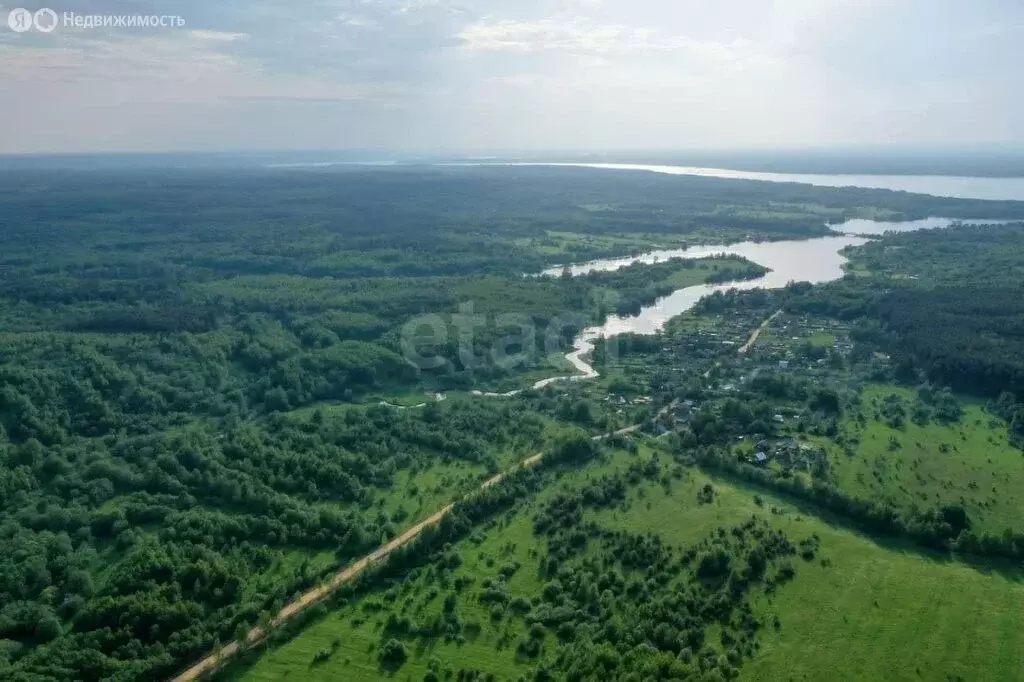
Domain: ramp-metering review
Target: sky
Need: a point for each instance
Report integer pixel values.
(501, 75)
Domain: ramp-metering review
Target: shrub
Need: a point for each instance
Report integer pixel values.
(520, 605)
(393, 654)
(717, 564)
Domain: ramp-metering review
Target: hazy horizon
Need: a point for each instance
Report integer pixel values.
(977, 162)
(524, 76)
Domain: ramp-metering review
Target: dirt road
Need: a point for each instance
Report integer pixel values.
(346, 575)
(321, 592)
(318, 594)
(757, 332)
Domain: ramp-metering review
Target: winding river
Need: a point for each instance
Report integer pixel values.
(801, 260)
(807, 260)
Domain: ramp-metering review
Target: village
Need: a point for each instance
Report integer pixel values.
(701, 365)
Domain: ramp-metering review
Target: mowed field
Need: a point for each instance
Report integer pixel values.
(969, 463)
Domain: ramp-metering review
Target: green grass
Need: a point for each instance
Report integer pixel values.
(875, 213)
(569, 243)
(970, 463)
(859, 611)
(573, 245)
(359, 634)
(406, 398)
(424, 491)
(421, 493)
(359, 631)
(552, 364)
(875, 613)
(287, 567)
(698, 274)
(575, 240)
(823, 339)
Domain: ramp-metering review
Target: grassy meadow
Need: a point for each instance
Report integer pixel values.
(969, 462)
(358, 630)
(858, 611)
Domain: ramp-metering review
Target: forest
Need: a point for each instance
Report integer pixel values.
(191, 366)
(948, 304)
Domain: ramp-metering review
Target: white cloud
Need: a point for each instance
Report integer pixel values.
(528, 80)
(522, 73)
(80, 60)
(217, 35)
(353, 21)
(186, 67)
(414, 5)
(581, 35)
(411, 6)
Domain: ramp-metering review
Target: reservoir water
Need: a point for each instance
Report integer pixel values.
(806, 260)
(960, 187)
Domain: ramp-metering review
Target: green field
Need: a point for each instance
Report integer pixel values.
(823, 339)
(873, 613)
(359, 634)
(556, 243)
(858, 611)
(358, 631)
(697, 275)
(191, 435)
(969, 462)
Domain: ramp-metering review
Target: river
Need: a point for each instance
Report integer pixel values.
(807, 260)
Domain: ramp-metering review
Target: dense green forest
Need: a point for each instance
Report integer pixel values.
(190, 366)
(947, 304)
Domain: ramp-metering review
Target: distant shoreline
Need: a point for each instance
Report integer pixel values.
(953, 186)
(972, 163)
